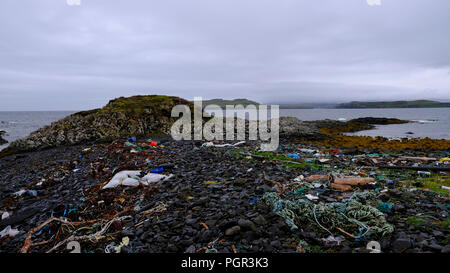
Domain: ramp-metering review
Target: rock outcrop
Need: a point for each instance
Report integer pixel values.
(2, 140)
(122, 117)
(293, 127)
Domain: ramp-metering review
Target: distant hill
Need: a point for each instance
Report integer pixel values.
(393, 104)
(223, 103)
(306, 105)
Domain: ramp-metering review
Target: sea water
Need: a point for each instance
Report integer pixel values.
(426, 122)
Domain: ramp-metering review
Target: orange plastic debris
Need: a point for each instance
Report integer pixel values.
(317, 177)
(353, 180)
(341, 187)
(204, 225)
(153, 143)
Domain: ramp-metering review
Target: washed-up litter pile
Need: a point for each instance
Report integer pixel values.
(103, 210)
(349, 215)
(146, 196)
(98, 221)
(132, 178)
(350, 157)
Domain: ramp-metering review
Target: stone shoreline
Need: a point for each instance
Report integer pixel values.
(214, 201)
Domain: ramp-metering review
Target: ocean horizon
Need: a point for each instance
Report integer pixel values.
(426, 122)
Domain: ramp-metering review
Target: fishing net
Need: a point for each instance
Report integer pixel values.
(352, 214)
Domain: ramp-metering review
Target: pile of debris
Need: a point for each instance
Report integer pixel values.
(158, 195)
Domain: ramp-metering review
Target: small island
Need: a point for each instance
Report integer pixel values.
(223, 103)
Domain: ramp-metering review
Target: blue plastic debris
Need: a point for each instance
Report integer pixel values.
(132, 139)
(443, 206)
(253, 200)
(158, 170)
(360, 235)
(293, 155)
(385, 207)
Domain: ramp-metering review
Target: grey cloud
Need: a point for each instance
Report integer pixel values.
(55, 56)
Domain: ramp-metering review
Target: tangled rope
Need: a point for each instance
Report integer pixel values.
(351, 214)
(91, 237)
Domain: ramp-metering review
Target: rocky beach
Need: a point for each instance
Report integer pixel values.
(321, 191)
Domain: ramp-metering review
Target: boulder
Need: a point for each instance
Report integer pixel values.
(2, 140)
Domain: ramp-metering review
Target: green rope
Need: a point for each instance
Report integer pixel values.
(87, 228)
(352, 214)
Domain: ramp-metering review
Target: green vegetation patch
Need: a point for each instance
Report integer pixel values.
(434, 183)
(427, 221)
(287, 161)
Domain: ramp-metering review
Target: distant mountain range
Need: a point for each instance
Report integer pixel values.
(349, 105)
(393, 104)
(307, 105)
(223, 103)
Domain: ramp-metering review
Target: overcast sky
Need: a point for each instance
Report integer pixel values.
(54, 56)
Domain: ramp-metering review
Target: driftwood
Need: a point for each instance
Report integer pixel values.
(346, 233)
(29, 243)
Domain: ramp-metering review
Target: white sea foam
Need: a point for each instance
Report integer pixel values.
(424, 121)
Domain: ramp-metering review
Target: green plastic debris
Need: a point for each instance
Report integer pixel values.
(302, 190)
(128, 144)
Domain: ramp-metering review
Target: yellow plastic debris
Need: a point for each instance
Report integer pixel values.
(125, 242)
